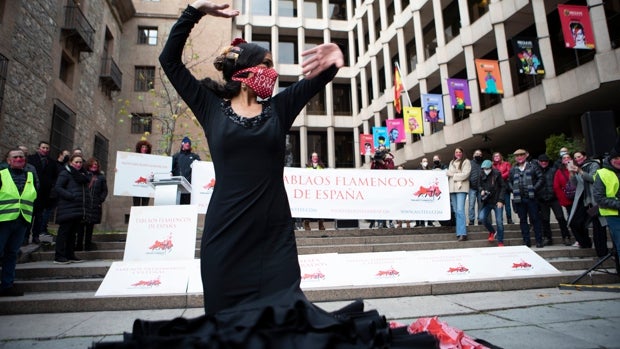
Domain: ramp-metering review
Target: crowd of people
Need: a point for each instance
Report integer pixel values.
(34, 189)
(534, 187)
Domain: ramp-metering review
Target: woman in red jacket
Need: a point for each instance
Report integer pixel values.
(561, 180)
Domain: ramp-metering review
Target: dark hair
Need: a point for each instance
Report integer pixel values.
(76, 156)
(140, 144)
(43, 142)
(231, 60)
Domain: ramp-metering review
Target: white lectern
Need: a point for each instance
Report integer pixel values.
(168, 190)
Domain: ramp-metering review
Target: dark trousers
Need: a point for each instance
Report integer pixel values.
(65, 241)
(528, 207)
(141, 201)
(186, 199)
(545, 217)
(11, 238)
(579, 225)
(85, 238)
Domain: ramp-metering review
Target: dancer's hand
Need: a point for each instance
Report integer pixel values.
(321, 58)
(217, 10)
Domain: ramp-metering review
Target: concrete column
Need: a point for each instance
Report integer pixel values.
(331, 147)
(599, 25)
(419, 37)
(303, 145)
(447, 104)
(544, 43)
(464, 13)
(468, 51)
(504, 63)
(437, 13)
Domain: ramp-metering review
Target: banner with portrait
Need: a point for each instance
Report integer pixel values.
(432, 106)
(413, 120)
(489, 76)
(380, 137)
(458, 89)
(367, 144)
(528, 56)
(576, 27)
(396, 130)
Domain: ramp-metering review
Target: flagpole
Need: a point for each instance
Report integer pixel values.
(402, 82)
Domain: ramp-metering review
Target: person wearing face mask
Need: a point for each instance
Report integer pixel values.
(437, 164)
(583, 171)
(558, 162)
(548, 201)
(248, 255)
(18, 191)
(458, 173)
(524, 181)
(474, 195)
(491, 187)
(606, 194)
(98, 188)
(504, 168)
(73, 210)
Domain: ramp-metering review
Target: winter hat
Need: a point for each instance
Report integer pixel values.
(186, 140)
(543, 157)
(486, 164)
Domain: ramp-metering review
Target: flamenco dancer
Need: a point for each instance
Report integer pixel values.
(249, 264)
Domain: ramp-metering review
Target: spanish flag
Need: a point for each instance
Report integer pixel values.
(398, 89)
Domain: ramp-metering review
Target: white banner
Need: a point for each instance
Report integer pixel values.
(332, 270)
(349, 193)
(134, 170)
(368, 194)
(161, 233)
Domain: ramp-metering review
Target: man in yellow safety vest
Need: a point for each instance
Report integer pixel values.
(18, 190)
(605, 190)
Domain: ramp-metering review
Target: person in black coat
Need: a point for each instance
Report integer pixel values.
(548, 201)
(74, 201)
(98, 188)
(182, 165)
(492, 189)
(47, 173)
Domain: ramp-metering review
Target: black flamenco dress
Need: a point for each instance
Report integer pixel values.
(249, 265)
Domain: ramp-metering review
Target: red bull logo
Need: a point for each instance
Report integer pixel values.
(141, 180)
(210, 185)
(147, 283)
(313, 276)
(388, 273)
(460, 269)
(163, 245)
(521, 265)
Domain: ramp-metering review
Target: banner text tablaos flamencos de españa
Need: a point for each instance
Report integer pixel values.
(368, 194)
(349, 193)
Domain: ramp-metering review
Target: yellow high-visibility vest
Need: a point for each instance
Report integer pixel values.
(12, 204)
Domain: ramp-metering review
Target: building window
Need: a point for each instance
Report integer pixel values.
(63, 128)
(147, 36)
(287, 50)
(287, 8)
(261, 7)
(67, 67)
(316, 105)
(312, 9)
(100, 152)
(144, 78)
(342, 99)
(338, 9)
(141, 122)
(4, 65)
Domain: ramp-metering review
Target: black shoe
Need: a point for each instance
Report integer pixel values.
(471, 222)
(463, 238)
(10, 292)
(61, 261)
(75, 260)
(540, 245)
(548, 241)
(527, 243)
(510, 221)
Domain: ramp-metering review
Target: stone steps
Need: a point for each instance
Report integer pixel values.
(59, 288)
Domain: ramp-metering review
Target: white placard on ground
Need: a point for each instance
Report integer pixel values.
(161, 233)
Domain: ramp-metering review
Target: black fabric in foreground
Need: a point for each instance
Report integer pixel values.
(301, 326)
